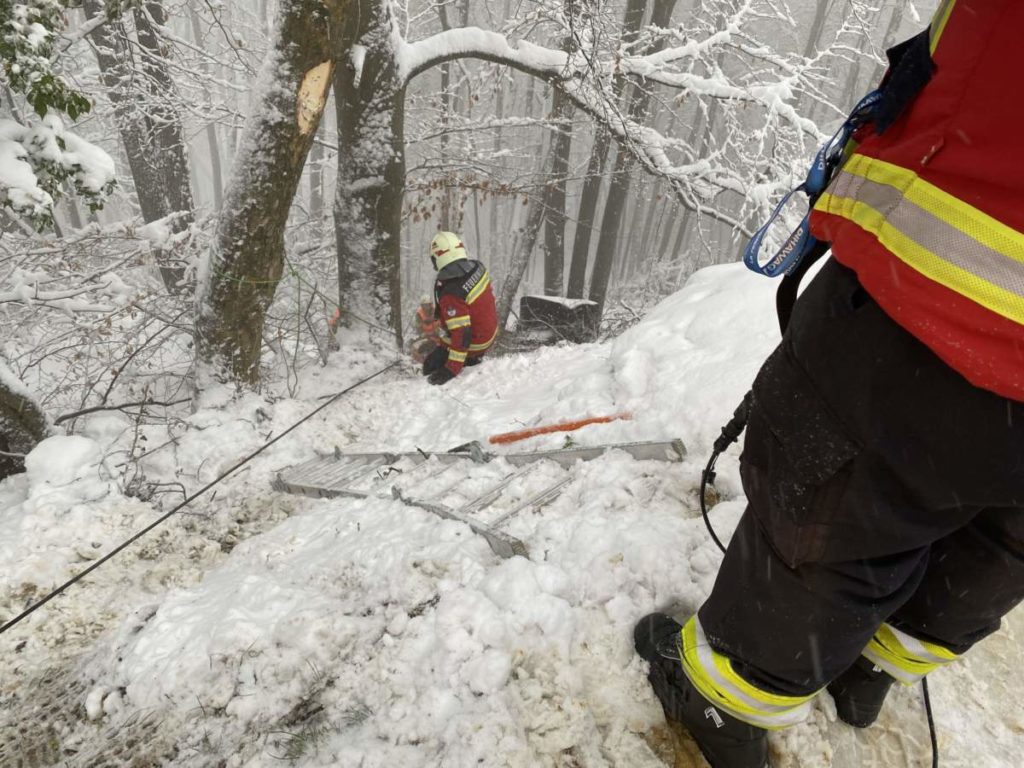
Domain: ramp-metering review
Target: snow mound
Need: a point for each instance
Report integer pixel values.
(685, 367)
(61, 460)
(365, 632)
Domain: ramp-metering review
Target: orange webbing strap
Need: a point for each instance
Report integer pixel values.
(564, 426)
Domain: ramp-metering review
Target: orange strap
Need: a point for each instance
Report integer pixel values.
(564, 426)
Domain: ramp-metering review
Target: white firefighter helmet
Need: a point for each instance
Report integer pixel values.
(445, 248)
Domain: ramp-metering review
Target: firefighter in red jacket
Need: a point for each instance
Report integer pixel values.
(464, 303)
(884, 457)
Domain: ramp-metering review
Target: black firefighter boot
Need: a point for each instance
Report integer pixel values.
(724, 741)
(860, 692)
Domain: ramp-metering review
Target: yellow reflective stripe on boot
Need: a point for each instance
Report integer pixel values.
(714, 678)
(904, 657)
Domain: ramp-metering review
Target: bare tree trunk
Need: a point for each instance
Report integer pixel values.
(671, 219)
(71, 205)
(703, 131)
(554, 194)
(525, 241)
(593, 183)
(150, 128)
(649, 219)
(446, 109)
(246, 259)
(499, 113)
(621, 180)
(891, 30)
(586, 213)
(22, 423)
(168, 137)
(316, 186)
(821, 13)
(370, 101)
(216, 169)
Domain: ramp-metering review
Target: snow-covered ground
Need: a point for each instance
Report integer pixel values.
(256, 627)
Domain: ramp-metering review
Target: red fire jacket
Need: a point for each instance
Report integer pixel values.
(465, 304)
(930, 213)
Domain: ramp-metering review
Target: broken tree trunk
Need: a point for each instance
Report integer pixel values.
(246, 258)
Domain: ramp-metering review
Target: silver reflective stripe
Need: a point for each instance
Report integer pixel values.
(911, 649)
(930, 232)
(774, 715)
(915, 649)
(907, 678)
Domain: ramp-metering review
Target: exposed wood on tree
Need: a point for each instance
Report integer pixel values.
(246, 260)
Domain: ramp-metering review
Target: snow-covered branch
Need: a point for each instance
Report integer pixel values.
(37, 157)
(693, 67)
(475, 43)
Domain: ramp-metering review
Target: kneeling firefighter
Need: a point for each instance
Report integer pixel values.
(464, 303)
(884, 458)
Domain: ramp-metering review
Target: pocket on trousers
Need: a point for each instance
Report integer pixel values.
(815, 442)
(795, 459)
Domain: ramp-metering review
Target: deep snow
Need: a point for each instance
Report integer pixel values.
(260, 627)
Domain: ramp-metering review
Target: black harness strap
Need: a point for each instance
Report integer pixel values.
(785, 297)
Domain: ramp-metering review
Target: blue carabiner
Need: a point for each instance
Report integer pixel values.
(792, 251)
(827, 160)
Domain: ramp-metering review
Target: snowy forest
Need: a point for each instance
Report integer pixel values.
(216, 214)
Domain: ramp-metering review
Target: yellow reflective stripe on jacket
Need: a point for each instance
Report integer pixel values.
(461, 321)
(484, 345)
(713, 676)
(904, 657)
(938, 235)
(939, 21)
(479, 288)
(454, 356)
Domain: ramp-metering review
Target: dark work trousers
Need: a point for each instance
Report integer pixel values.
(882, 487)
(436, 360)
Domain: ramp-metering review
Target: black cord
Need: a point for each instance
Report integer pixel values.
(78, 577)
(706, 478)
(730, 434)
(931, 722)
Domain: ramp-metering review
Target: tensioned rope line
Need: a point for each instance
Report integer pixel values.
(74, 579)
